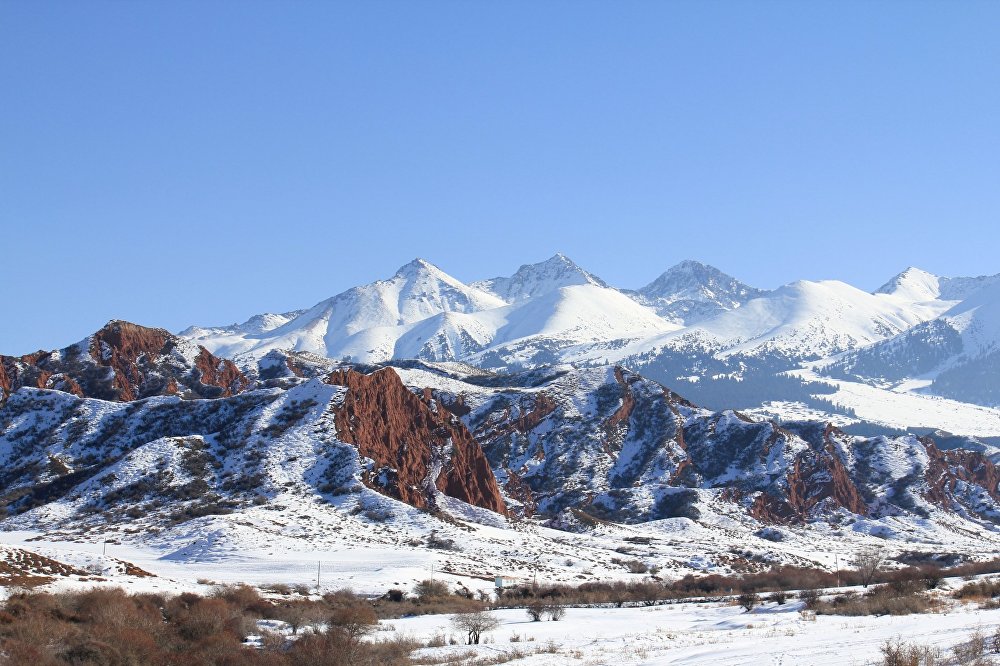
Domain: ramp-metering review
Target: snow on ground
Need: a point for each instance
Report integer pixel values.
(691, 633)
(903, 410)
(717, 632)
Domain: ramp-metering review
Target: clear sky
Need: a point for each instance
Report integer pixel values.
(174, 163)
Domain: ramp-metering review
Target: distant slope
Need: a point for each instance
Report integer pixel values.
(957, 354)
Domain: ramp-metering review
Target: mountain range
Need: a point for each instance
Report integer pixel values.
(493, 418)
(806, 347)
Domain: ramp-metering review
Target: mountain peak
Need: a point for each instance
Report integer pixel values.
(532, 280)
(913, 284)
(691, 290)
(416, 266)
(691, 278)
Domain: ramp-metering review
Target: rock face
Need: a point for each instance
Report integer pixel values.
(621, 447)
(125, 362)
(415, 447)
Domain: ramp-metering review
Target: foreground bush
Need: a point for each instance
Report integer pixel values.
(111, 628)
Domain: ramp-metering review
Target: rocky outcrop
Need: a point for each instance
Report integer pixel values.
(124, 362)
(220, 372)
(415, 449)
(947, 470)
(631, 450)
(817, 481)
(623, 413)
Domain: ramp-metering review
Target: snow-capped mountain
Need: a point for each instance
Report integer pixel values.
(421, 312)
(809, 320)
(532, 280)
(691, 291)
(956, 355)
(693, 324)
(363, 323)
(798, 322)
(256, 325)
(918, 285)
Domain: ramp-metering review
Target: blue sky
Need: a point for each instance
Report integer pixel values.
(199, 162)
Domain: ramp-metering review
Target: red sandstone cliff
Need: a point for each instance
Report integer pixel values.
(142, 362)
(409, 441)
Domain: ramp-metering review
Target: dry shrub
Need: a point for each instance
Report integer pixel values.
(901, 598)
(242, 596)
(331, 649)
(897, 653)
(299, 614)
(203, 618)
(17, 653)
(89, 650)
(983, 589)
(431, 589)
(136, 645)
(356, 621)
(392, 652)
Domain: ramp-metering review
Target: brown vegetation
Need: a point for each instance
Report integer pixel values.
(108, 626)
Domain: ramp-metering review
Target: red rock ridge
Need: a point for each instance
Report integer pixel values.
(120, 345)
(134, 354)
(405, 437)
(220, 372)
(542, 406)
(623, 413)
(946, 468)
(816, 477)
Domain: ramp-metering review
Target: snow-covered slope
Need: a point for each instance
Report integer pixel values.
(918, 285)
(691, 291)
(601, 451)
(363, 323)
(955, 355)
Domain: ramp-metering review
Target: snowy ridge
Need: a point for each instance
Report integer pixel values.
(918, 285)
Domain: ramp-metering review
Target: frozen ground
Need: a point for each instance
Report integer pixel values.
(717, 632)
(688, 633)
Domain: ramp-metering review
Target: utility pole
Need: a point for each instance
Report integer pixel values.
(318, 563)
(837, 555)
(105, 550)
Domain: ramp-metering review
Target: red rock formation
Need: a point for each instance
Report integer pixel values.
(6, 380)
(16, 372)
(220, 372)
(946, 468)
(816, 477)
(394, 427)
(623, 413)
(518, 489)
(542, 406)
(120, 345)
(134, 354)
